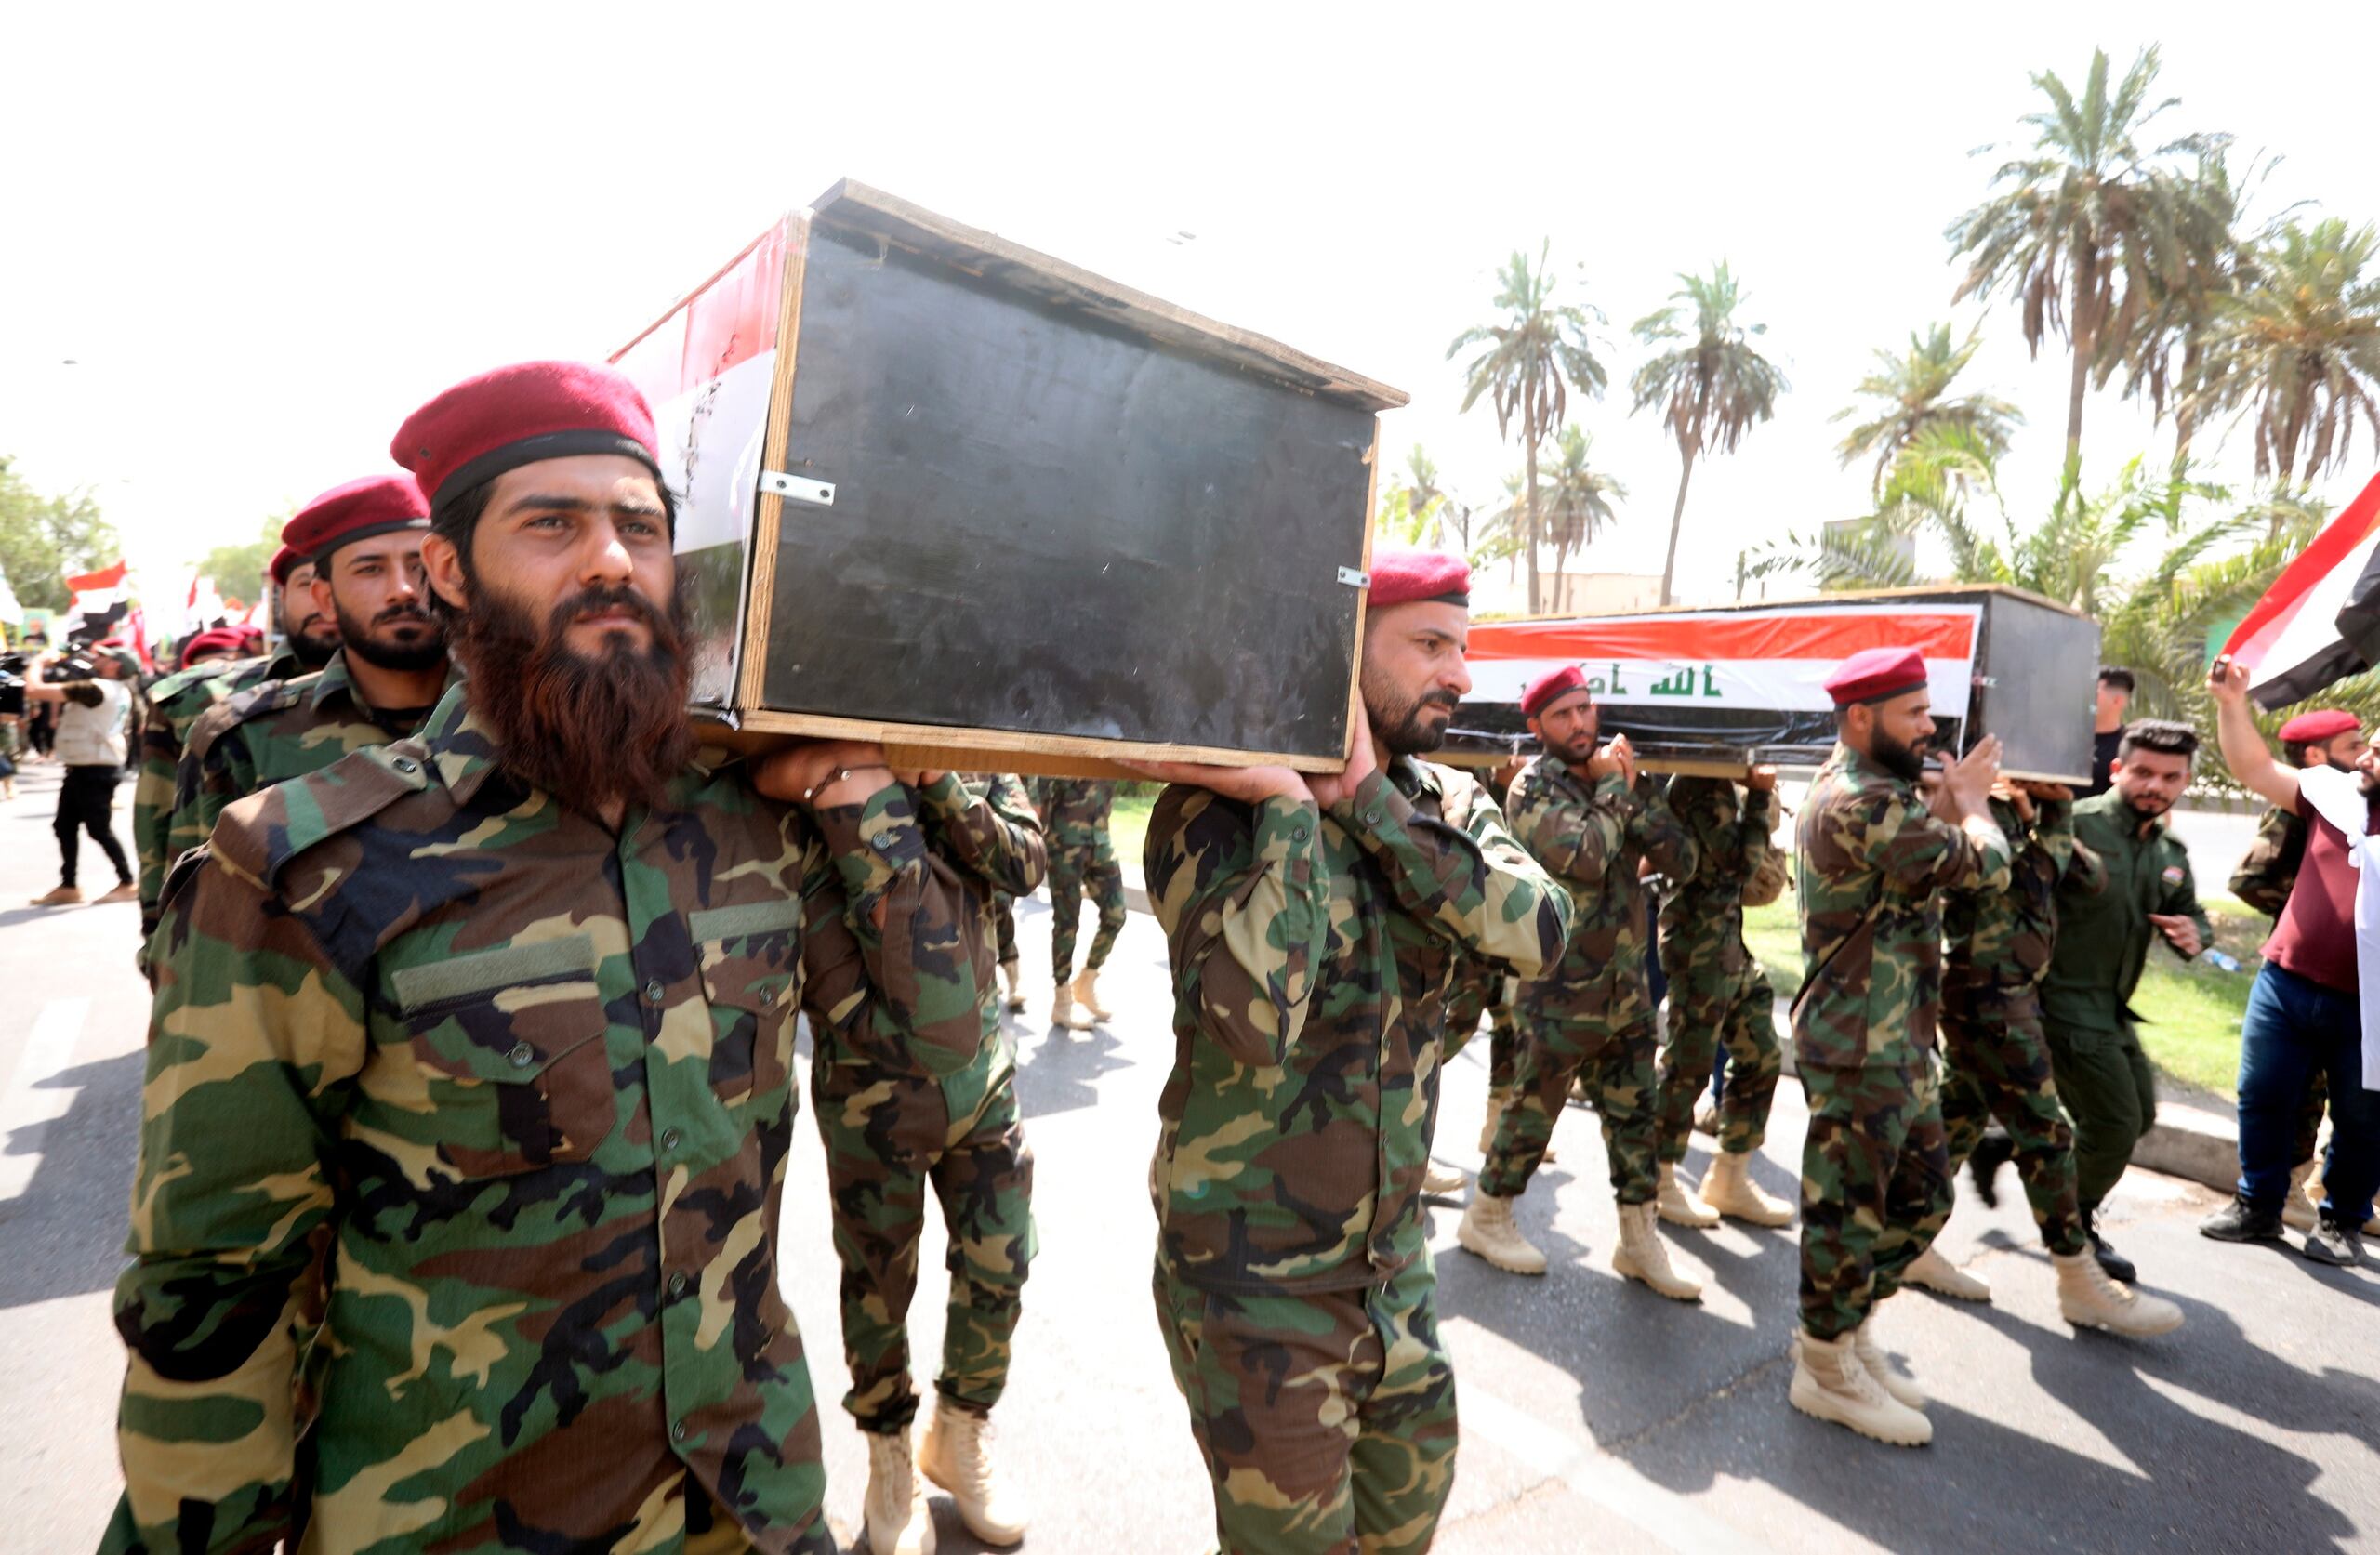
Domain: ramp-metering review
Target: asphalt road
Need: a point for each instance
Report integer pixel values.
(1595, 1416)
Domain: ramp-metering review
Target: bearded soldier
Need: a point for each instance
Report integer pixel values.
(1876, 1176)
(504, 1012)
(1597, 826)
(1315, 925)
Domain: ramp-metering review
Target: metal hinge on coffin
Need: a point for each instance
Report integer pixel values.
(798, 488)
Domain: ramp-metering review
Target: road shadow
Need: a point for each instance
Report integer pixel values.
(64, 1234)
(1058, 1070)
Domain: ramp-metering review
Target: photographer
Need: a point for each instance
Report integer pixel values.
(94, 709)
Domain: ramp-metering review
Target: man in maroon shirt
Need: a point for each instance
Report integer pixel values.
(2303, 1014)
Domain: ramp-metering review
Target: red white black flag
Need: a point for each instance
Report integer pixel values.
(2320, 622)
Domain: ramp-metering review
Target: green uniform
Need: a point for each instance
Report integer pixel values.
(269, 733)
(531, 1079)
(1869, 861)
(2103, 942)
(1719, 997)
(1311, 954)
(1590, 1014)
(1075, 814)
(175, 704)
(891, 1128)
(1995, 1061)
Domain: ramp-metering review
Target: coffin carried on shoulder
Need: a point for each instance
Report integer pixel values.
(1718, 690)
(949, 494)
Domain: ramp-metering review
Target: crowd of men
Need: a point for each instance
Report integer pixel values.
(470, 1073)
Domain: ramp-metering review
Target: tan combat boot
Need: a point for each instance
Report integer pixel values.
(1488, 1228)
(1442, 1180)
(1876, 1363)
(2087, 1298)
(1014, 975)
(1498, 1097)
(1830, 1383)
(1064, 1014)
(1087, 994)
(1642, 1256)
(898, 1523)
(956, 1456)
(1728, 1188)
(1939, 1276)
(1676, 1207)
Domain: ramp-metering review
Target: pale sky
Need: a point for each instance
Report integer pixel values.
(265, 233)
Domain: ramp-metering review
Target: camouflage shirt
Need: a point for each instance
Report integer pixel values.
(1075, 811)
(1312, 953)
(2003, 938)
(1703, 921)
(532, 1079)
(1871, 861)
(269, 733)
(2269, 867)
(175, 704)
(1591, 836)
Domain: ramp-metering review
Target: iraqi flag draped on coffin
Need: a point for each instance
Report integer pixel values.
(2320, 622)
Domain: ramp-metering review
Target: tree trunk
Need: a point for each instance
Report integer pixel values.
(2184, 408)
(2084, 339)
(1677, 520)
(1528, 510)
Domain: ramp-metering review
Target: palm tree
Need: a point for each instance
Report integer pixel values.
(2080, 230)
(1574, 501)
(2300, 347)
(1531, 361)
(1913, 392)
(1711, 387)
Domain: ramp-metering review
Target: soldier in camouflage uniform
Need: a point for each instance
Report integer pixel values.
(504, 1012)
(1075, 814)
(1315, 925)
(175, 702)
(365, 540)
(1872, 859)
(1995, 1060)
(948, 1120)
(1719, 999)
(1594, 824)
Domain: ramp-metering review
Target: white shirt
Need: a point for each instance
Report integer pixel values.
(94, 736)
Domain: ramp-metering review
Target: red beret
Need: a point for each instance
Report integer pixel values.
(517, 415)
(1876, 674)
(375, 504)
(2309, 729)
(284, 561)
(1552, 687)
(1401, 575)
(215, 639)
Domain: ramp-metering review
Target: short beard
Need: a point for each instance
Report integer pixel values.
(1904, 762)
(1576, 753)
(400, 658)
(1398, 724)
(590, 731)
(2148, 811)
(313, 651)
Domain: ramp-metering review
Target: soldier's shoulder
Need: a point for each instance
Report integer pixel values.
(193, 689)
(262, 835)
(248, 706)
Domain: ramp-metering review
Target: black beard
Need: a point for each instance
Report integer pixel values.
(590, 731)
(313, 651)
(1572, 753)
(1399, 727)
(401, 658)
(1904, 762)
(2145, 812)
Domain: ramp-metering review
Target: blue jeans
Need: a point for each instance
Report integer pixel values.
(2295, 1026)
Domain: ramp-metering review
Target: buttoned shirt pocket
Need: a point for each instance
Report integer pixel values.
(511, 1042)
(751, 967)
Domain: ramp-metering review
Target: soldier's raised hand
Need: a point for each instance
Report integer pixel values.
(1968, 781)
(1762, 779)
(1616, 755)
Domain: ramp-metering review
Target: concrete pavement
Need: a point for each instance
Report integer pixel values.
(1596, 1416)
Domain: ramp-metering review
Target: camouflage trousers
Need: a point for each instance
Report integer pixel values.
(1326, 1421)
(1875, 1187)
(1464, 1007)
(1072, 870)
(1616, 1065)
(1709, 1011)
(1995, 1064)
(1004, 921)
(889, 1134)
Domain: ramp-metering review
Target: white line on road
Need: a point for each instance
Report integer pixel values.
(1607, 1482)
(50, 1052)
